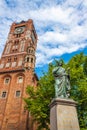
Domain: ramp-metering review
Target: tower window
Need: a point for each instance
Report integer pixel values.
(14, 47)
(27, 59)
(9, 59)
(15, 58)
(18, 35)
(18, 93)
(22, 46)
(7, 80)
(1, 66)
(4, 93)
(20, 63)
(8, 47)
(16, 42)
(20, 79)
(7, 64)
(13, 64)
(31, 60)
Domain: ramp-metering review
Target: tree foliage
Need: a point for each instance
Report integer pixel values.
(40, 98)
(79, 86)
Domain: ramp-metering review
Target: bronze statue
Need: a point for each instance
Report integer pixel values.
(62, 81)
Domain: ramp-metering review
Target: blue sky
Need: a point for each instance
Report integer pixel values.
(61, 26)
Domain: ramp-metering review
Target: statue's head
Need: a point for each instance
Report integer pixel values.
(60, 63)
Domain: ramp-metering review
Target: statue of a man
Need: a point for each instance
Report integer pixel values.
(62, 81)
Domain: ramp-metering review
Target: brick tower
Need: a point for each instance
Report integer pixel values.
(17, 65)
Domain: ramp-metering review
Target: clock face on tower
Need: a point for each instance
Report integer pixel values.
(19, 30)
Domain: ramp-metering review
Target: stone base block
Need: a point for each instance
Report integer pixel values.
(63, 115)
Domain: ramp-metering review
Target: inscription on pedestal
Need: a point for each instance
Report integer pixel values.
(63, 115)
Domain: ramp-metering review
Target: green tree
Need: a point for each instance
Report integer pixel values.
(79, 86)
(85, 66)
(40, 98)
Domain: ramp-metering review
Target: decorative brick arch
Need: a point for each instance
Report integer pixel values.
(8, 76)
(20, 75)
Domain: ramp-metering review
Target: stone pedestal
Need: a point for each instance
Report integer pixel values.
(63, 115)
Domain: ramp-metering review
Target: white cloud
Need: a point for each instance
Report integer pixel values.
(53, 36)
(61, 25)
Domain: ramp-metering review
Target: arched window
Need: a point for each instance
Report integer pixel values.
(13, 64)
(18, 35)
(18, 93)
(20, 62)
(30, 50)
(31, 60)
(20, 79)
(22, 45)
(4, 94)
(16, 42)
(27, 59)
(7, 50)
(1, 65)
(7, 80)
(9, 59)
(15, 58)
(7, 64)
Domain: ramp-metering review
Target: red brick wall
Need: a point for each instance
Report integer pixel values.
(12, 112)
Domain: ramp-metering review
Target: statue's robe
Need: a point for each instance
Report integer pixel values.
(62, 83)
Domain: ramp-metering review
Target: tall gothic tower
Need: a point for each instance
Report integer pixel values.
(16, 73)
